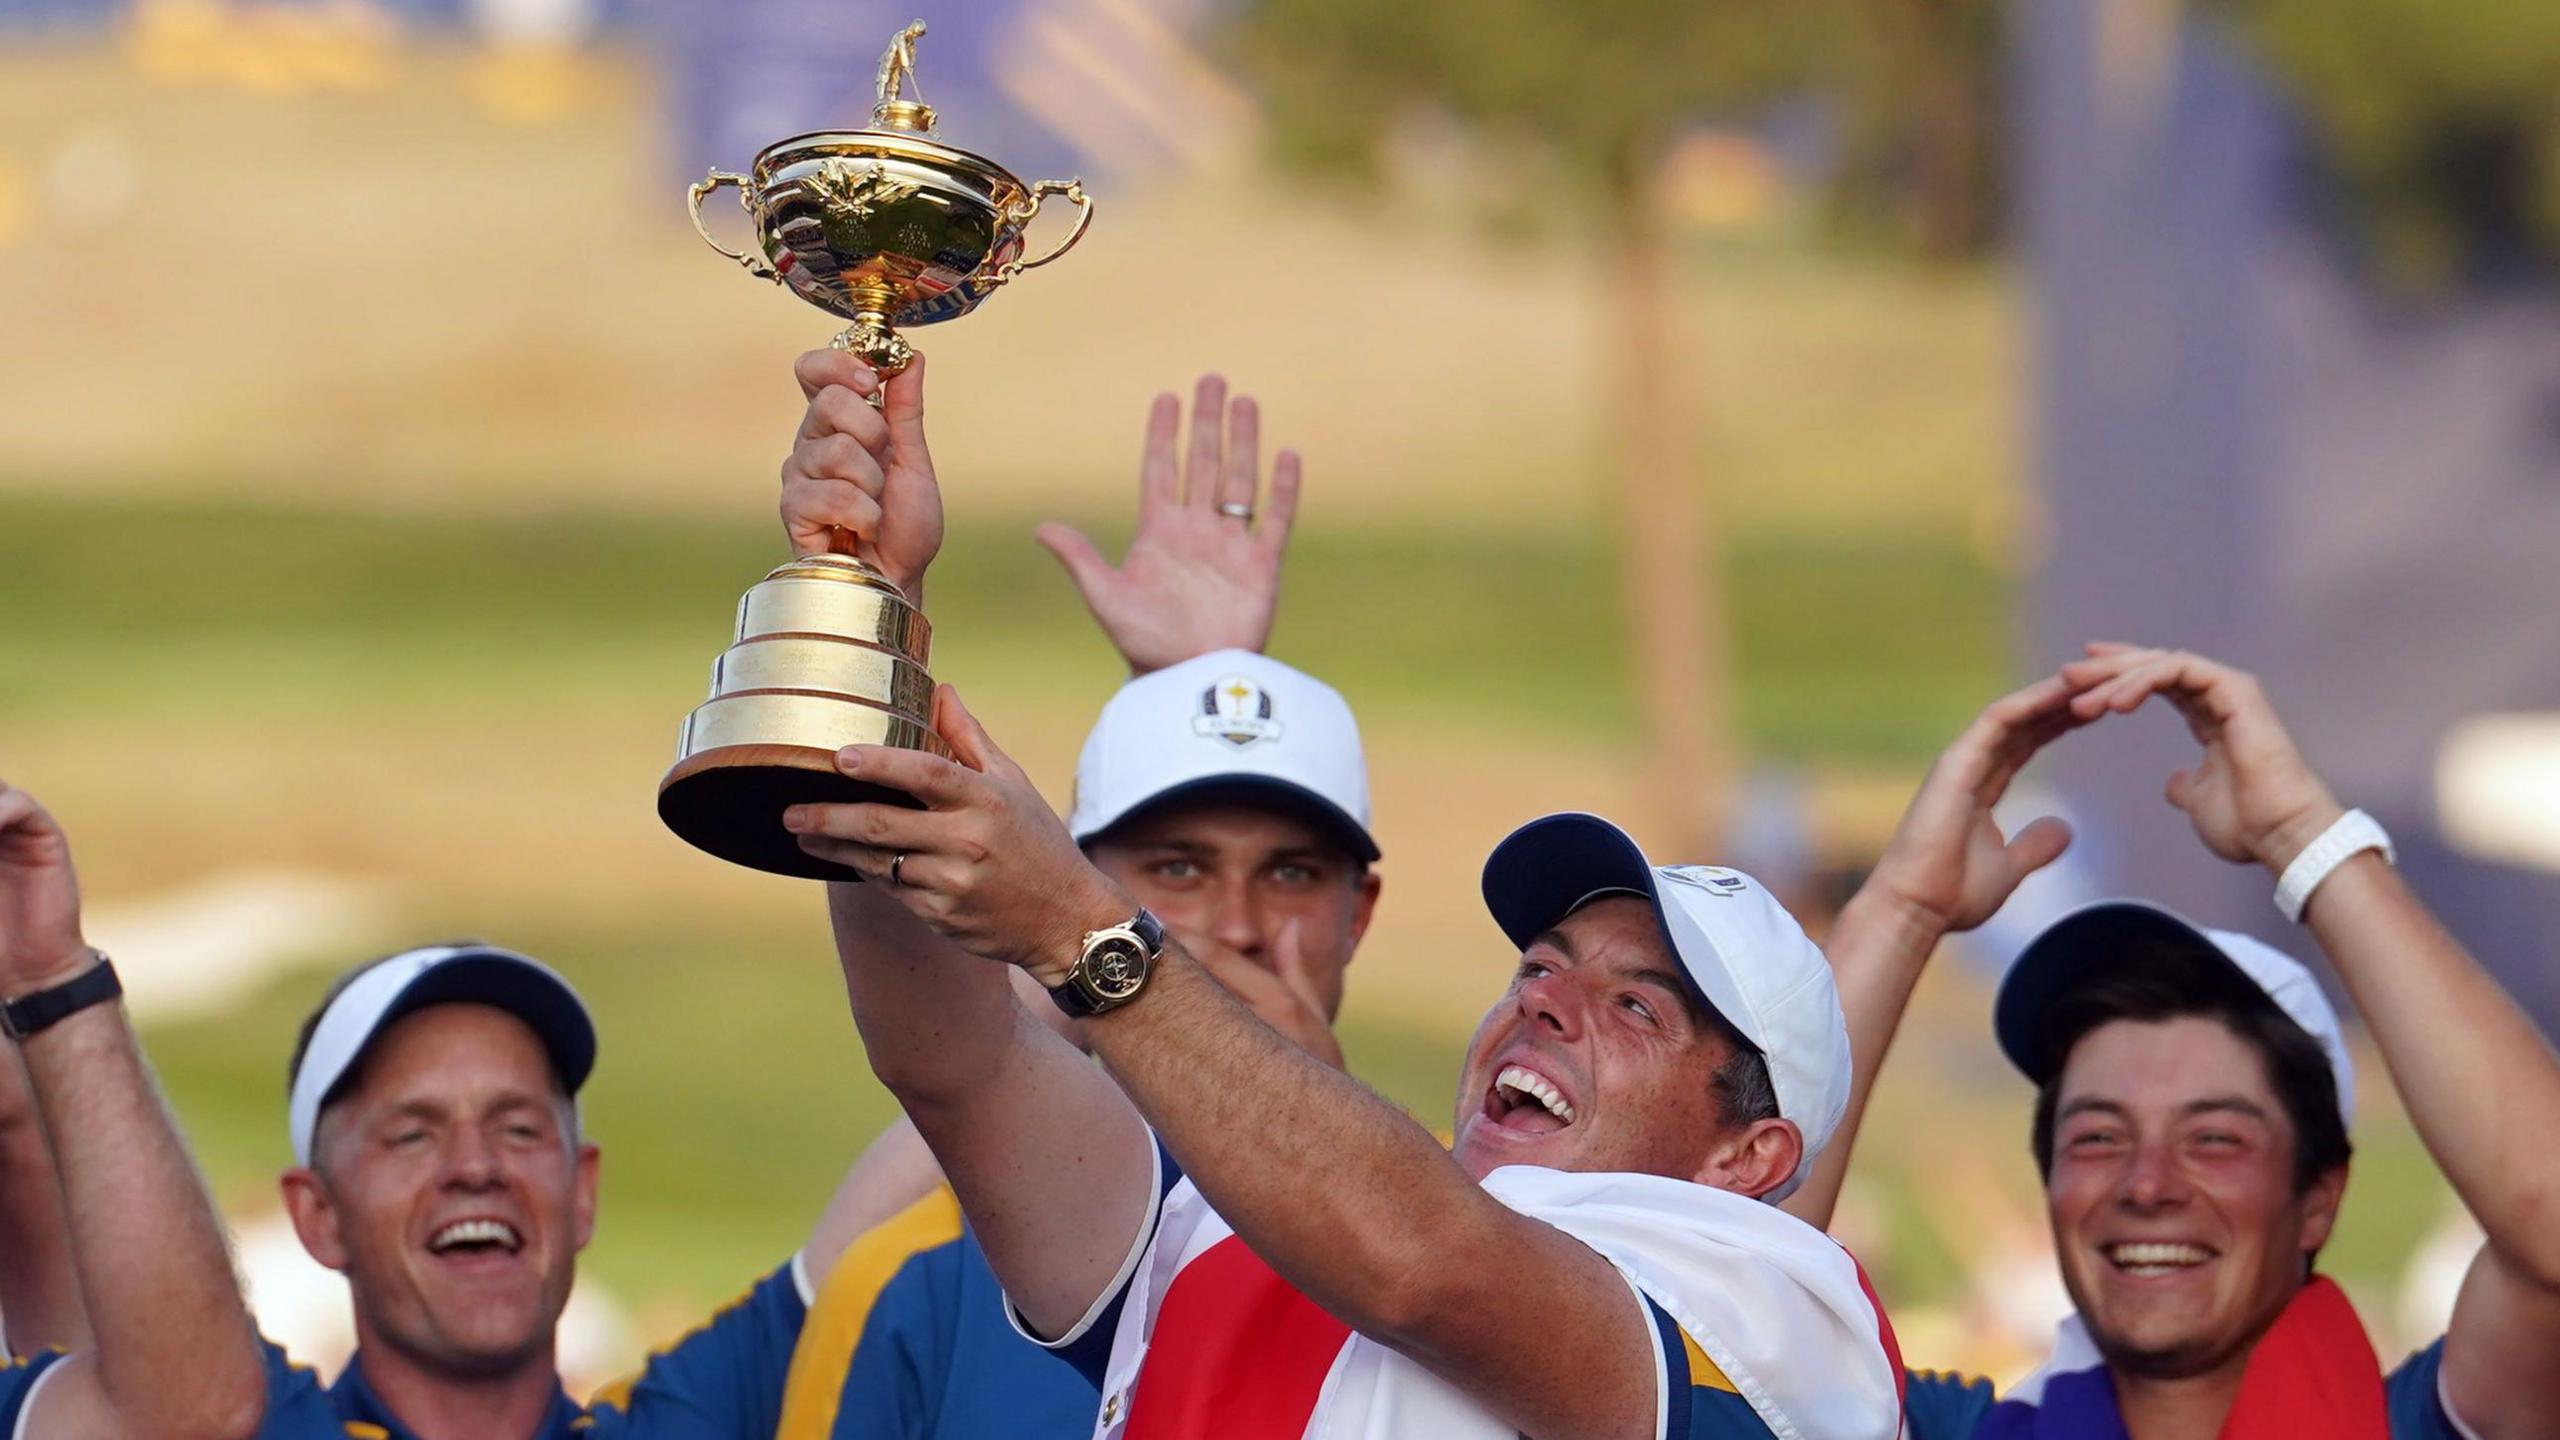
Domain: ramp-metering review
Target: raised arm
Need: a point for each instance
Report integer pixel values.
(1947, 869)
(174, 1354)
(39, 1294)
(1203, 569)
(1194, 580)
(1339, 1191)
(2481, 1084)
(1051, 1163)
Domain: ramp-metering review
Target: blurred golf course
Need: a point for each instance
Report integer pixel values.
(378, 474)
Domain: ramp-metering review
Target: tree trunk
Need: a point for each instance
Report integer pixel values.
(1673, 591)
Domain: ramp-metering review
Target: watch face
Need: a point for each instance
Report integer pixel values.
(1116, 967)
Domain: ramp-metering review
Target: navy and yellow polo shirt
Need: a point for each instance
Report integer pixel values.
(20, 1377)
(908, 1340)
(723, 1381)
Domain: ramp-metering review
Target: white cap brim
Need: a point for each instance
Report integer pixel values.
(437, 974)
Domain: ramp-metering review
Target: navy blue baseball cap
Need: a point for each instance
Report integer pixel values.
(367, 1002)
(2097, 940)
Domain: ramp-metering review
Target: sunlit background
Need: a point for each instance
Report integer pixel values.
(1707, 406)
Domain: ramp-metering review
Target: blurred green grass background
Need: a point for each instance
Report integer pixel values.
(248, 612)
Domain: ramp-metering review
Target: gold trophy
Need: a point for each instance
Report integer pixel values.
(886, 227)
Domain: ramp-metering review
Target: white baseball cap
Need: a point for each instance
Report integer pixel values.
(1230, 720)
(1745, 957)
(369, 999)
(2093, 940)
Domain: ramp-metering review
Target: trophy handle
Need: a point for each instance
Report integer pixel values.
(753, 264)
(1074, 191)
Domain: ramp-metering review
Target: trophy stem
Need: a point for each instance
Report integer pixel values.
(869, 336)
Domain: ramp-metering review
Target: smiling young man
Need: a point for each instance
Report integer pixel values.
(2194, 1098)
(1297, 1256)
(441, 1168)
(1223, 788)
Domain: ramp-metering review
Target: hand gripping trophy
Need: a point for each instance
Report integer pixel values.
(886, 227)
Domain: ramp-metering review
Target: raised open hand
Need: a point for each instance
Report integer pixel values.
(40, 943)
(2252, 796)
(1203, 569)
(859, 478)
(1948, 863)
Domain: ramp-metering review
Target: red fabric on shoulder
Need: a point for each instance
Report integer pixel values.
(2313, 1375)
(1884, 1331)
(1236, 1353)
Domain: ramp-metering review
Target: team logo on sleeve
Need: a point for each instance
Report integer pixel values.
(1237, 711)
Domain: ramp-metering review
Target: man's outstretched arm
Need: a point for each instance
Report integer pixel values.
(1947, 869)
(175, 1355)
(1195, 580)
(1052, 1165)
(1338, 1190)
(2481, 1084)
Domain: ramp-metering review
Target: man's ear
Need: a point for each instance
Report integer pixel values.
(2320, 1207)
(1754, 1160)
(315, 1216)
(583, 1197)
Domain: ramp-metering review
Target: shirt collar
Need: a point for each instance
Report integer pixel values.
(355, 1400)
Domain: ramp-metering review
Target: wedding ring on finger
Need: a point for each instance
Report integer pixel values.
(897, 860)
(1236, 510)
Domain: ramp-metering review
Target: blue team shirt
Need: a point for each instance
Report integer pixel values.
(1952, 1407)
(909, 1341)
(721, 1382)
(18, 1377)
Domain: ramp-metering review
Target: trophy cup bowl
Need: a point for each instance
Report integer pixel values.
(884, 227)
(887, 227)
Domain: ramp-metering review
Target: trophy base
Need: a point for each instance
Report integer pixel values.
(729, 802)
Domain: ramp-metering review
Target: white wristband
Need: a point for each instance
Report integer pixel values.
(2349, 835)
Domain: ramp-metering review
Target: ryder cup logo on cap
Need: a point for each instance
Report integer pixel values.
(1229, 725)
(1744, 956)
(367, 1001)
(1237, 711)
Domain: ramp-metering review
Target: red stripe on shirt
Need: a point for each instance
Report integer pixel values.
(1884, 1333)
(1236, 1352)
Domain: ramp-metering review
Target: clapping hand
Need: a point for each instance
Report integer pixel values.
(1203, 569)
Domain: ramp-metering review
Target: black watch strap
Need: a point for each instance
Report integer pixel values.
(29, 1014)
(1150, 929)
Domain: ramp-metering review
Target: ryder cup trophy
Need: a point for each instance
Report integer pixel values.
(886, 227)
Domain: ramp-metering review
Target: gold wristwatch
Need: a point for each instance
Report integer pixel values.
(1114, 966)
